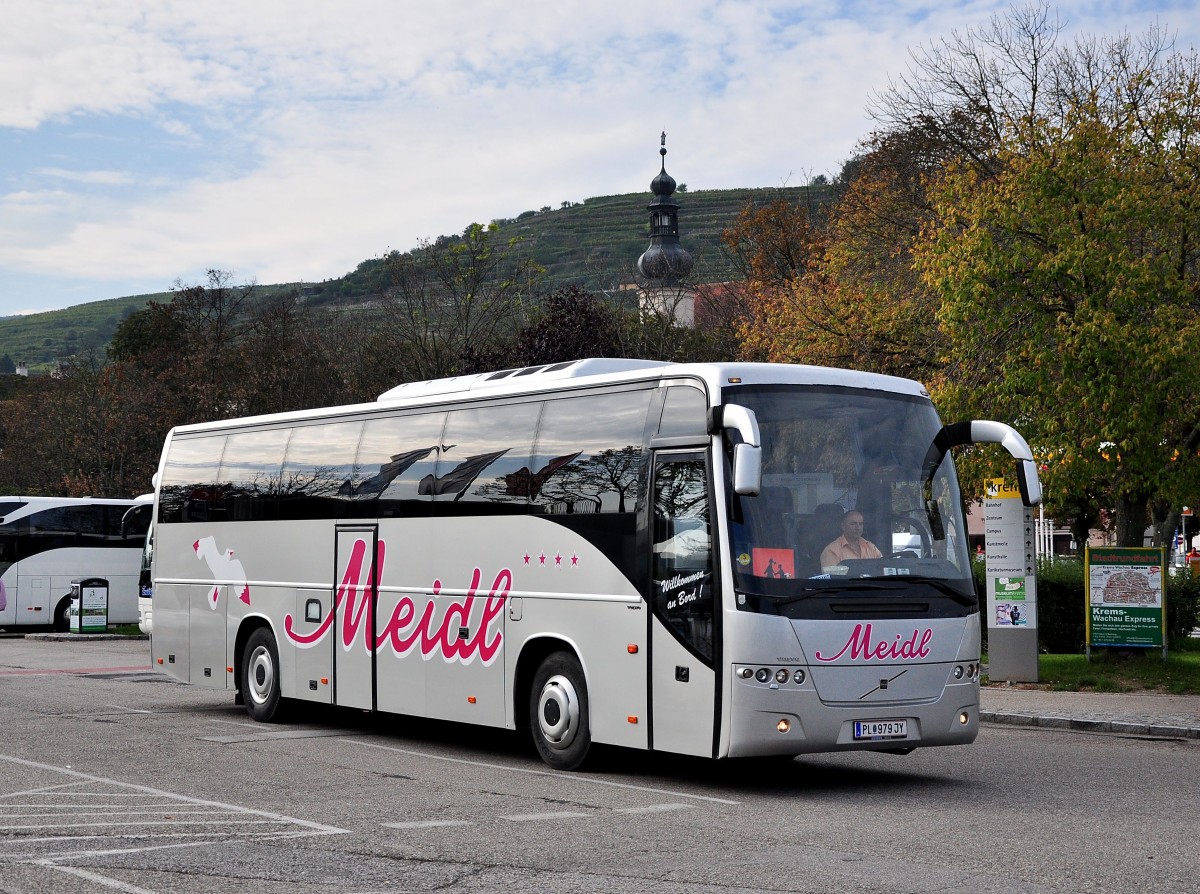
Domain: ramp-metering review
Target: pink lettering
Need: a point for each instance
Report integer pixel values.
(407, 628)
(860, 648)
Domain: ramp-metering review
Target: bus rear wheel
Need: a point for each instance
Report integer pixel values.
(558, 712)
(259, 677)
(62, 615)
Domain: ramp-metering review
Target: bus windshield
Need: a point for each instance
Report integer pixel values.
(854, 503)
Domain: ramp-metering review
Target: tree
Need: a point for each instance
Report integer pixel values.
(843, 292)
(1067, 264)
(292, 357)
(571, 324)
(449, 298)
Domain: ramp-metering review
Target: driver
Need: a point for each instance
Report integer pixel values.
(852, 544)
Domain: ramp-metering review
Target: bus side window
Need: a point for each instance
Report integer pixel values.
(395, 454)
(317, 469)
(251, 474)
(189, 490)
(483, 464)
(684, 412)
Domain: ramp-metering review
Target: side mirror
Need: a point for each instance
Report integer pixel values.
(747, 454)
(747, 469)
(985, 431)
(1029, 483)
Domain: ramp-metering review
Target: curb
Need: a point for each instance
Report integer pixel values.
(1158, 729)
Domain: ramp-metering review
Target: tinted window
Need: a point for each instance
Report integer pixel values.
(189, 490)
(685, 412)
(483, 467)
(589, 466)
(8, 506)
(251, 473)
(681, 577)
(317, 471)
(70, 526)
(395, 455)
(589, 456)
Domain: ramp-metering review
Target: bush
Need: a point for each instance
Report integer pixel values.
(1061, 605)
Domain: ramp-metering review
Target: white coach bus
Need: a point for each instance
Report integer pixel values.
(602, 551)
(48, 542)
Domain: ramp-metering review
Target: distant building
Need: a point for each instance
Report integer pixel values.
(22, 368)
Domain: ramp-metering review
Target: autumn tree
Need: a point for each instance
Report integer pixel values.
(856, 301)
(1066, 264)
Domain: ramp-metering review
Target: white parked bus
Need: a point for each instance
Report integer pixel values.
(48, 542)
(603, 551)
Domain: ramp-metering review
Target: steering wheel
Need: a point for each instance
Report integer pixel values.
(913, 522)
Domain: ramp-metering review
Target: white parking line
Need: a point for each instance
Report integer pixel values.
(115, 884)
(538, 817)
(428, 824)
(319, 828)
(653, 808)
(573, 777)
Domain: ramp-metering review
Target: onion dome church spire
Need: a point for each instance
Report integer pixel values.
(665, 262)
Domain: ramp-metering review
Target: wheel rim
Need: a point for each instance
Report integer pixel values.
(558, 713)
(260, 675)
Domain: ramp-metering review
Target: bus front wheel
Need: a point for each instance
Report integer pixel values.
(558, 712)
(259, 683)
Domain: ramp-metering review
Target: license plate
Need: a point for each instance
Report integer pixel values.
(881, 729)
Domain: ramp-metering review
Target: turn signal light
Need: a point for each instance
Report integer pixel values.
(470, 699)
(632, 648)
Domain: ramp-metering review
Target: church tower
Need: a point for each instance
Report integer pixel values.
(665, 265)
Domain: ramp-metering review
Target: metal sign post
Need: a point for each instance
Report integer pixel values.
(1010, 543)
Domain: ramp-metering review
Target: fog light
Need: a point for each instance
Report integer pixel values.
(781, 675)
(970, 672)
(746, 673)
(963, 717)
(798, 677)
(783, 725)
(763, 675)
(958, 672)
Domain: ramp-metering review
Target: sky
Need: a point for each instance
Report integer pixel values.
(143, 143)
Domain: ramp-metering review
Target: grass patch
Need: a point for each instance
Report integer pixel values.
(126, 630)
(1123, 670)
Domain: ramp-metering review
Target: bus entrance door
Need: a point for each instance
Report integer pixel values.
(682, 601)
(355, 597)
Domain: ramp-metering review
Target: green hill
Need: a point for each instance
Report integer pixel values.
(594, 243)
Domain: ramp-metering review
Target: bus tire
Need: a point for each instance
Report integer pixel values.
(62, 615)
(258, 680)
(558, 712)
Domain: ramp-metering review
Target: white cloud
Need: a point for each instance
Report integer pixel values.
(307, 136)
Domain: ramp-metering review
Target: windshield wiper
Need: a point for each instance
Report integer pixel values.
(895, 584)
(851, 586)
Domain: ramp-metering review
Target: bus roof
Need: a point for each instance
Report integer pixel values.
(590, 372)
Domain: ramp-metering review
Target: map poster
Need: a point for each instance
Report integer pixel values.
(1126, 605)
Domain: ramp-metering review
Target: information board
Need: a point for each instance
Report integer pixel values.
(1125, 597)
